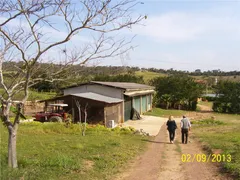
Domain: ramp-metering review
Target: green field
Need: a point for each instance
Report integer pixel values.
(52, 151)
(33, 95)
(147, 75)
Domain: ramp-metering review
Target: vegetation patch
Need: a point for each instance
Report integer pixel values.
(33, 95)
(208, 122)
(166, 112)
(53, 151)
(225, 137)
(148, 75)
(229, 97)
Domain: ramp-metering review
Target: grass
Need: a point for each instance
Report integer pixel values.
(52, 151)
(33, 95)
(166, 113)
(224, 134)
(147, 75)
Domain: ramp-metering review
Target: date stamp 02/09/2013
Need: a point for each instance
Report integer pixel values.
(187, 158)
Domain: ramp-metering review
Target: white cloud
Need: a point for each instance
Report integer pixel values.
(183, 26)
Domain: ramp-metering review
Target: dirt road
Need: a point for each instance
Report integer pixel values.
(162, 161)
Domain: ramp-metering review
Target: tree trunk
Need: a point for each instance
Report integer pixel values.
(12, 138)
(12, 148)
(167, 105)
(179, 106)
(85, 119)
(9, 148)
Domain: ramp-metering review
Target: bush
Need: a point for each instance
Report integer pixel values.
(124, 130)
(223, 107)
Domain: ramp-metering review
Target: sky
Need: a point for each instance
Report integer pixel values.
(186, 35)
(179, 34)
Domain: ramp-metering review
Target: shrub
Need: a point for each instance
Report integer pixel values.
(229, 97)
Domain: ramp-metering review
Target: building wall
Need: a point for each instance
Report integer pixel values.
(113, 112)
(95, 88)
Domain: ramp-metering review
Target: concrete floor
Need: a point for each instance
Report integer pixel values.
(149, 124)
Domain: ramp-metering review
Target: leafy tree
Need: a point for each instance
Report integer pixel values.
(166, 99)
(228, 100)
(120, 78)
(177, 91)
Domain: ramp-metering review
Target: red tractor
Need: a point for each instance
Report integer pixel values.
(54, 113)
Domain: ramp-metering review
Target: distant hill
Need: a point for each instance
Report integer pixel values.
(77, 74)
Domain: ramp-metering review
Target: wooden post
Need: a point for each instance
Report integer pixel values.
(105, 119)
(123, 112)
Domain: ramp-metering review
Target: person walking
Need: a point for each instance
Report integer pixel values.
(185, 128)
(171, 127)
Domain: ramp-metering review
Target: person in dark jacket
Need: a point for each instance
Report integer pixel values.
(171, 127)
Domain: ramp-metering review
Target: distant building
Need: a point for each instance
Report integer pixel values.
(216, 71)
(198, 71)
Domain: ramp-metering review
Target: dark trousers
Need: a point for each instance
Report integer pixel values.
(185, 136)
(171, 135)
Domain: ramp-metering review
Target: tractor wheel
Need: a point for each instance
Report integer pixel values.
(55, 119)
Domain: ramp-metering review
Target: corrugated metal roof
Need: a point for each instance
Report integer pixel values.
(125, 85)
(97, 97)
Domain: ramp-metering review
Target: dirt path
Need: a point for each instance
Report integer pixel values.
(162, 161)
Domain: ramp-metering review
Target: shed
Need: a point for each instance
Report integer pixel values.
(134, 95)
(108, 100)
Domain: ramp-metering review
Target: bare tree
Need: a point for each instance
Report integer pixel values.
(33, 31)
(82, 126)
(85, 119)
(79, 113)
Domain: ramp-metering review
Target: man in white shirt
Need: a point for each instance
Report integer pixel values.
(185, 128)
